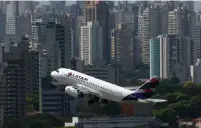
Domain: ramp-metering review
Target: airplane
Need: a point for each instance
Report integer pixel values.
(80, 84)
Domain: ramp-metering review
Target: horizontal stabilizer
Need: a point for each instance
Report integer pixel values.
(156, 100)
(151, 100)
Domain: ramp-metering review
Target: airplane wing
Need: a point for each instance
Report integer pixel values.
(87, 90)
(132, 88)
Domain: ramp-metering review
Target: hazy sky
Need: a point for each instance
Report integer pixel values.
(197, 4)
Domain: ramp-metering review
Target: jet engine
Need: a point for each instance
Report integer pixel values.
(73, 92)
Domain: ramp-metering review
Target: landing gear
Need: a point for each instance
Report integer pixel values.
(104, 101)
(80, 94)
(92, 101)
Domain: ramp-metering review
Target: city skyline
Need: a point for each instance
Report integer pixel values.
(123, 44)
(68, 3)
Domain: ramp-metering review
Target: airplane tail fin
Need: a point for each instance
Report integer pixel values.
(145, 91)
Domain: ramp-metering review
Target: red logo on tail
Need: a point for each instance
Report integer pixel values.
(70, 73)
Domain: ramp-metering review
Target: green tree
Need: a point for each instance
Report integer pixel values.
(166, 115)
(180, 108)
(175, 80)
(181, 97)
(44, 119)
(175, 97)
(13, 123)
(191, 89)
(32, 102)
(142, 67)
(190, 84)
(36, 124)
(111, 108)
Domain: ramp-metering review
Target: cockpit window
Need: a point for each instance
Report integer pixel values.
(57, 71)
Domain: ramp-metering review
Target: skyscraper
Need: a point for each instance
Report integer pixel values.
(182, 21)
(99, 11)
(57, 5)
(2, 24)
(155, 56)
(175, 57)
(149, 27)
(91, 48)
(14, 80)
(56, 49)
(124, 46)
(198, 36)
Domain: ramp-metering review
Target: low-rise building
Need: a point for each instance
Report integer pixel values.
(102, 71)
(112, 122)
(57, 103)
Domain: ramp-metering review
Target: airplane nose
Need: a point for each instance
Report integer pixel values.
(53, 74)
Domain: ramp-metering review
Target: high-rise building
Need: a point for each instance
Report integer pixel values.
(76, 10)
(188, 5)
(173, 5)
(13, 24)
(175, 57)
(65, 46)
(79, 23)
(1, 116)
(2, 24)
(18, 21)
(80, 4)
(155, 56)
(38, 31)
(182, 22)
(102, 71)
(51, 54)
(124, 49)
(99, 11)
(58, 6)
(123, 17)
(198, 36)
(20, 76)
(1, 50)
(56, 48)
(91, 48)
(149, 27)
(26, 24)
(32, 72)
(178, 22)
(29, 6)
(3, 6)
(196, 72)
(57, 103)
(14, 80)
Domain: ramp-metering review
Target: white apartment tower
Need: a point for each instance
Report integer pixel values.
(91, 44)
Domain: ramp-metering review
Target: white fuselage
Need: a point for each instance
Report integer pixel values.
(105, 89)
